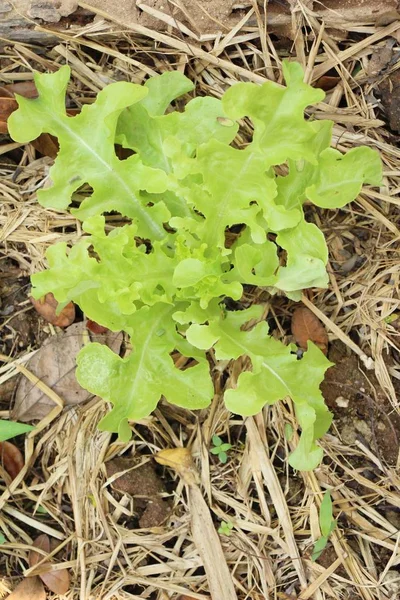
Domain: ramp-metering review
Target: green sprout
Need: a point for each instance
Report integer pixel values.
(10, 429)
(327, 524)
(226, 528)
(220, 449)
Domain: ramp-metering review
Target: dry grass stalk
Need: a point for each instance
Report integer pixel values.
(273, 510)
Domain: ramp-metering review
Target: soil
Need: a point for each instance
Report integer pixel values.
(141, 481)
(361, 410)
(22, 327)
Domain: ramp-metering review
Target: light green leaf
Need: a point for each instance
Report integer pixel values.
(280, 130)
(291, 187)
(223, 457)
(135, 384)
(276, 373)
(288, 432)
(10, 429)
(225, 447)
(87, 153)
(339, 177)
(235, 187)
(204, 279)
(132, 275)
(326, 515)
(335, 181)
(307, 256)
(319, 547)
(163, 89)
(166, 276)
(256, 265)
(152, 136)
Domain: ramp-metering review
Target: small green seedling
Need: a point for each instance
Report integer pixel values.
(2, 539)
(391, 318)
(226, 528)
(327, 524)
(220, 449)
(9, 429)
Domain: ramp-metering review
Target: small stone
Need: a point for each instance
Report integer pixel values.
(342, 402)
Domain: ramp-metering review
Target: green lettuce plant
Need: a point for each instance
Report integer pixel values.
(164, 278)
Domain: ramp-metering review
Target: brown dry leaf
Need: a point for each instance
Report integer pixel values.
(47, 145)
(42, 542)
(112, 339)
(57, 581)
(8, 103)
(54, 364)
(7, 106)
(47, 307)
(306, 326)
(95, 327)
(30, 588)
(23, 88)
(11, 459)
(327, 82)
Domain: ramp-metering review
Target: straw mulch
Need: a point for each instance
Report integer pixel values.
(273, 510)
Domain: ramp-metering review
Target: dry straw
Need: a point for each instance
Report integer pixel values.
(274, 512)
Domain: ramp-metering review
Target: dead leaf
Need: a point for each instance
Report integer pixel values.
(327, 82)
(306, 326)
(42, 542)
(27, 89)
(11, 459)
(57, 581)
(47, 145)
(112, 339)
(95, 327)
(47, 307)
(7, 106)
(54, 364)
(30, 588)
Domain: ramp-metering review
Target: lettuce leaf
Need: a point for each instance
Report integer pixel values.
(208, 213)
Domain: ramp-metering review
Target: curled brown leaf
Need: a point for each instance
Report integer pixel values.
(30, 588)
(306, 326)
(58, 581)
(42, 542)
(11, 459)
(47, 308)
